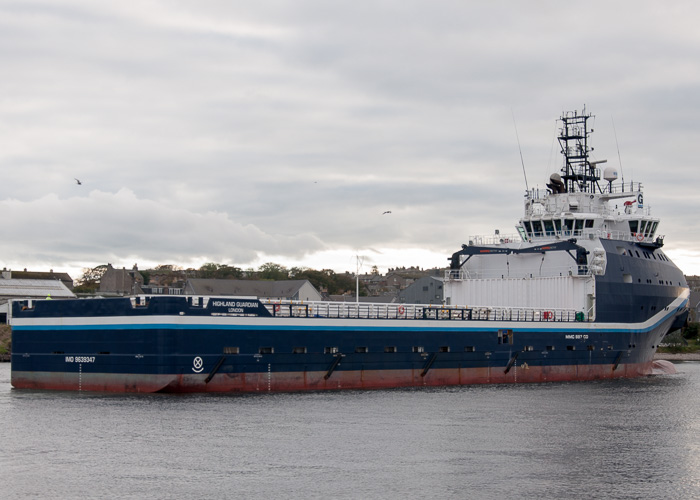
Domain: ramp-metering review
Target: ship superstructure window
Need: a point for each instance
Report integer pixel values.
(557, 225)
(232, 350)
(550, 347)
(390, 348)
(642, 226)
(634, 225)
(469, 348)
(568, 227)
(299, 350)
(578, 226)
(536, 228)
(418, 348)
(548, 227)
(361, 349)
(444, 348)
(266, 350)
(651, 228)
(589, 223)
(330, 350)
(528, 227)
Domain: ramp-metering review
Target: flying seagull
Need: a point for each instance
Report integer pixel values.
(77, 181)
(387, 212)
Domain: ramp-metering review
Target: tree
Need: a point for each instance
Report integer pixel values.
(219, 271)
(326, 279)
(691, 331)
(272, 271)
(89, 282)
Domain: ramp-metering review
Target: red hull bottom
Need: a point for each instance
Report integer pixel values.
(314, 381)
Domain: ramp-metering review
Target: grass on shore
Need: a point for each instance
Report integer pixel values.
(5, 339)
(692, 346)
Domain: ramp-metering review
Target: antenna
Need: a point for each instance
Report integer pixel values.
(527, 189)
(357, 278)
(622, 174)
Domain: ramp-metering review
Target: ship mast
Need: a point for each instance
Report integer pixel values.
(579, 174)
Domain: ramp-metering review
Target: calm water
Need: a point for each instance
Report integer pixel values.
(619, 439)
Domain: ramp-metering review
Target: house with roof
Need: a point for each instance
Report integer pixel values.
(275, 290)
(39, 275)
(30, 289)
(694, 306)
(121, 281)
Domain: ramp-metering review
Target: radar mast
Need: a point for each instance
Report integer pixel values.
(579, 173)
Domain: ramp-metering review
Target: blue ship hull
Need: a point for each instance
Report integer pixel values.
(170, 345)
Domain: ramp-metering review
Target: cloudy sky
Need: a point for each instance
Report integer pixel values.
(247, 132)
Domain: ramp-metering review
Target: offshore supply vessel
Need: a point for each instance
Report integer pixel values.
(582, 291)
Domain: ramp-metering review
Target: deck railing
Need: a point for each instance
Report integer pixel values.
(363, 310)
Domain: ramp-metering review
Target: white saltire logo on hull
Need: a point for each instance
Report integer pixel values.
(197, 365)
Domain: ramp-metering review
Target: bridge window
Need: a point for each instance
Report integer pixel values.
(361, 349)
(444, 348)
(536, 228)
(528, 227)
(390, 348)
(589, 223)
(634, 225)
(232, 350)
(266, 350)
(418, 348)
(557, 225)
(330, 350)
(578, 225)
(299, 350)
(568, 226)
(469, 348)
(548, 228)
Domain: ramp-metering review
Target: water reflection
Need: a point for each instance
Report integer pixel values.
(622, 439)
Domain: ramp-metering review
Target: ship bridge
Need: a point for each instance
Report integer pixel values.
(619, 215)
(578, 204)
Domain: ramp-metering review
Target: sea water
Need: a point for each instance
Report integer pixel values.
(636, 438)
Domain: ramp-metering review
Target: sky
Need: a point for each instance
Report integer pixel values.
(242, 133)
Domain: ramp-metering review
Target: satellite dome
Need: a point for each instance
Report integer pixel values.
(610, 174)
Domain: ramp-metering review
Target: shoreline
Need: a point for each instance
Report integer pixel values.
(677, 356)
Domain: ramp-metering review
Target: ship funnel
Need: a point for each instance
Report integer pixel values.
(556, 184)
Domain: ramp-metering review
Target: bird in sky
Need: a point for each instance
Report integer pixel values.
(387, 212)
(78, 181)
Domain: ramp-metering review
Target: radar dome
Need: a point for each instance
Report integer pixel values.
(610, 174)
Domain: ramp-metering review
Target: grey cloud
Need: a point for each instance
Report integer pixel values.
(231, 130)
